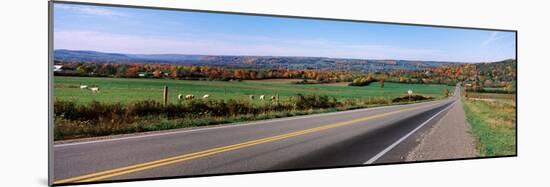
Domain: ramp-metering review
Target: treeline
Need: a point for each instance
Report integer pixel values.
(363, 81)
(495, 75)
(197, 72)
(224, 74)
(482, 77)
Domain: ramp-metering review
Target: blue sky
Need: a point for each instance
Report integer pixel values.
(149, 31)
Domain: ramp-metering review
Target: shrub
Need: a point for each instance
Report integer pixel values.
(144, 108)
(315, 102)
(411, 98)
(376, 101)
(362, 81)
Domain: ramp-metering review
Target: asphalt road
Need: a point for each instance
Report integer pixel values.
(348, 138)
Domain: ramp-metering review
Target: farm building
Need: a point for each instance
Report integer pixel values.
(62, 70)
(144, 74)
(57, 68)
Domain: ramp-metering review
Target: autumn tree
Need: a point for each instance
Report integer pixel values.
(253, 74)
(238, 74)
(157, 73)
(132, 71)
(174, 72)
(510, 87)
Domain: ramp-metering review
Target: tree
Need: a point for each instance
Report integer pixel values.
(132, 71)
(121, 70)
(238, 74)
(510, 86)
(174, 72)
(253, 75)
(157, 73)
(83, 69)
(107, 69)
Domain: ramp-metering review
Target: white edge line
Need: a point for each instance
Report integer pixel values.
(389, 148)
(234, 125)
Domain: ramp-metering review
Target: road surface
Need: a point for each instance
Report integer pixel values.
(348, 138)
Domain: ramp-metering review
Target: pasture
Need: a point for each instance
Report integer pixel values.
(128, 90)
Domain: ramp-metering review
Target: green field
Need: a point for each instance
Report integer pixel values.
(126, 90)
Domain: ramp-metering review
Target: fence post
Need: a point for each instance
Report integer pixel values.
(165, 95)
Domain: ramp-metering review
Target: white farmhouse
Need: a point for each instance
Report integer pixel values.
(57, 68)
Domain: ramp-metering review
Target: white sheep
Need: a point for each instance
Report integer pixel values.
(189, 97)
(94, 89)
(180, 96)
(205, 96)
(273, 98)
(251, 97)
(262, 97)
(83, 86)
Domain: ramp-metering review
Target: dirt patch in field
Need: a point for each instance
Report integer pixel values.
(274, 80)
(337, 84)
(66, 86)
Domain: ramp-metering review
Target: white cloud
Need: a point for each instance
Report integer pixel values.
(100, 41)
(91, 10)
(495, 36)
(232, 45)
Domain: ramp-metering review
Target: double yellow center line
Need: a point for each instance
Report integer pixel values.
(171, 160)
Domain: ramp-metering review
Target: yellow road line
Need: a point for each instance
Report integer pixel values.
(190, 156)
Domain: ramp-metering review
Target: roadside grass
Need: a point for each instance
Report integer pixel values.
(73, 121)
(68, 129)
(493, 125)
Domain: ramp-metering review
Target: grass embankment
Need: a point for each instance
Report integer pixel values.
(74, 120)
(494, 126)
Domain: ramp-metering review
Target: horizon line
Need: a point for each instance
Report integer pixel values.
(461, 62)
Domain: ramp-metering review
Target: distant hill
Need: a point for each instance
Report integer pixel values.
(501, 71)
(298, 63)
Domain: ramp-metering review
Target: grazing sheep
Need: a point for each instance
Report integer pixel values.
(251, 97)
(273, 98)
(205, 96)
(83, 86)
(262, 97)
(180, 96)
(94, 89)
(189, 97)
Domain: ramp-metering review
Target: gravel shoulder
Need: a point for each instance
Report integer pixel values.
(449, 138)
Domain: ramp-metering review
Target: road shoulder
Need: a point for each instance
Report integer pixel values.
(449, 138)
